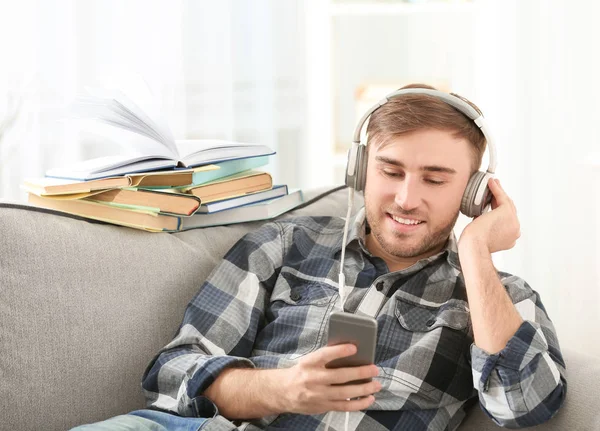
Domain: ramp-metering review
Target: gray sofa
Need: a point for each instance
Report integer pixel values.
(84, 306)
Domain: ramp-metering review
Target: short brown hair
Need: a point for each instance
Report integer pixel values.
(410, 112)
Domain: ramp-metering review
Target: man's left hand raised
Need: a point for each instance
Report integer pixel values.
(497, 229)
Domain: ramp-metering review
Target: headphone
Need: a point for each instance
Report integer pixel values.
(476, 196)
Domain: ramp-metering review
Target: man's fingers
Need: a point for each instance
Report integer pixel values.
(498, 191)
(347, 392)
(350, 374)
(329, 353)
(494, 203)
(352, 405)
(506, 197)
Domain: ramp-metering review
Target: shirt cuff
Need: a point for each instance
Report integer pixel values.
(204, 408)
(521, 349)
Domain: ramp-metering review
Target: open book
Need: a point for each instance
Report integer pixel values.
(147, 142)
(59, 186)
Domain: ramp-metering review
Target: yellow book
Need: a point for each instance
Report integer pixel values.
(146, 220)
(162, 201)
(59, 186)
(232, 186)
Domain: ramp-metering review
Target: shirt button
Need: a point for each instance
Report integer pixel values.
(295, 296)
(430, 322)
(379, 286)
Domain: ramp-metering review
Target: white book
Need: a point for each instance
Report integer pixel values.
(146, 140)
(259, 211)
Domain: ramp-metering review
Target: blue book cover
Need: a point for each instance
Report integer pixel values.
(251, 198)
(259, 211)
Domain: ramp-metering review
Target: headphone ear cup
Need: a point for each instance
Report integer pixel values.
(350, 179)
(357, 181)
(361, 168)
(477, 186)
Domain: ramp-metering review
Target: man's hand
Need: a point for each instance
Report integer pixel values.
(497, 229)
(308, 387)
(494, 317)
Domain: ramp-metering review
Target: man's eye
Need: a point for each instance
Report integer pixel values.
(392, 174)
(434, 182)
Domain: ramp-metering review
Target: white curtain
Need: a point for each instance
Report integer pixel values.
(229, 69)
(537, 78)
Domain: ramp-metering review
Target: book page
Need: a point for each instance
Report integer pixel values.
(141, 105)
(202, 151)
(131, 142)
(134, 87)
(112, 113)
(99, 165)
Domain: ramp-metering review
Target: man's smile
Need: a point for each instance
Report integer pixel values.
(404, 224)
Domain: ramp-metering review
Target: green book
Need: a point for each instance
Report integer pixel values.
(227, 168)
(202, 175)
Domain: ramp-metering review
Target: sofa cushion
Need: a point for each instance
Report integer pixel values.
(84, 307)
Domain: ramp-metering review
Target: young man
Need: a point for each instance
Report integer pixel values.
(250, 353)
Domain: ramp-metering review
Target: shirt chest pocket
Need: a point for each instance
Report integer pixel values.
(297, 318)
(419, 318)
(426, 346)
(307, 293)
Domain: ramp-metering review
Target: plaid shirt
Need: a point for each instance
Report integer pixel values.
(267, 304)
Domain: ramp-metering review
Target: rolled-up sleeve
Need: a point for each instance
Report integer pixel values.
(525, 383)
(219, 326)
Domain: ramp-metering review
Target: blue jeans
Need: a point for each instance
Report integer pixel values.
(145, 420)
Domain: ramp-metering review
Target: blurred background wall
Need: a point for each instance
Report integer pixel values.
(297, 74)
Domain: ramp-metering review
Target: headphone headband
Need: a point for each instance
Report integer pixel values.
(477, 194)
(450, 99)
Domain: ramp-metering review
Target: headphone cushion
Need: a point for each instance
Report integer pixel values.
(361, 168)
(358, 180)
(350, 179)
(467, 205)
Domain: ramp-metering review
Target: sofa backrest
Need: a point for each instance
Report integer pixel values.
(84, 307)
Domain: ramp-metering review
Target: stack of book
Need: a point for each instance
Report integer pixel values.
(170, 187)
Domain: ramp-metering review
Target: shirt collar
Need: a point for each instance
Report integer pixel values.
(358, 232)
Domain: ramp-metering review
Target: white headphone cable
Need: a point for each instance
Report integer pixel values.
(342, 278)
(342, 285)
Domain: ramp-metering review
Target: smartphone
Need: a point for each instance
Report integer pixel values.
(348, 328)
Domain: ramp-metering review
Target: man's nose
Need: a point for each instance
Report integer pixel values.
(408, 194)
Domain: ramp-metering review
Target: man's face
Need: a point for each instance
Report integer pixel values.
(413, 191)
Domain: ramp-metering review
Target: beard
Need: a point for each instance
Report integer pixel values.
(400, 244)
